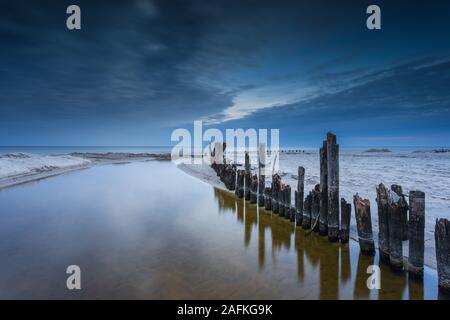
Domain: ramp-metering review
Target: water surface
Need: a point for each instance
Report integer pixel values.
(149, 231)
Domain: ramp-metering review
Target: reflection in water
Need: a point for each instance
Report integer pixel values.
(124, 226)
(361, 291)
(345, 263)
(332, 260)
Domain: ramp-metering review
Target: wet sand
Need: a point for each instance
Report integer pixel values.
(149, 231)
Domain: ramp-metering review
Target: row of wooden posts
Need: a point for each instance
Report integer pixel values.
(321, 211)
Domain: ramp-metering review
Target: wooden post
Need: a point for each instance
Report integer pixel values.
(346, 209)
(306, 223)
(404, 210)
(261, 173)
(395, 215)
(323, 219)
(267, 199)
(299, 196)
(281, 200)
(261, 188)
(442, 238)
(247, 162)
(240, 184)
(287, 202)
(416, 230)
(275, 191)
(364, 225)
(333, 187)
(233, 178)
(254, 189)
(315, 207)
(248, 177)
(383, 222)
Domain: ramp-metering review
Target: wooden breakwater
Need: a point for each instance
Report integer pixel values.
(321, 210)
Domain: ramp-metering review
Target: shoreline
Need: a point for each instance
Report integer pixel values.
(207, 175)
(93, 159)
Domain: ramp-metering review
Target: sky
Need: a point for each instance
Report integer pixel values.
(139, 69)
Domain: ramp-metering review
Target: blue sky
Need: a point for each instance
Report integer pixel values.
(139, 69)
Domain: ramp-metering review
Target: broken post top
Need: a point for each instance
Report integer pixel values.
(442, 227)
(417, 194)
(331, 137)
(396, 199)
(360, 202)
(301, 172)
(382, 194)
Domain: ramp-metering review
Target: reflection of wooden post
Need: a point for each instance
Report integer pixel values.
(442, 238)
(395, 214)
(346, 209)
(383, 223)
(333, 187)
(299, 196)
(315, 207)
(306, 223)
(403, 209)
(364, 225)
(323, 219)
(416, 231)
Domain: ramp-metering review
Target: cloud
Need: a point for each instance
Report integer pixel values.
(418, 86)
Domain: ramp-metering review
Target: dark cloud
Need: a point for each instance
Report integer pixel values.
(143, 67)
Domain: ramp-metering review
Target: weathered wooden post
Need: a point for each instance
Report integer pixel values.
(416, 230)
(287, 202)
(240, 184)
(261, 173)
(315, 207)
(323, 218)
(232, 178)
(247, 162)
(248, 177)
(364, 225)
(247, 186)
(281, 200)
(261, 188)
(346, 209)
(383, 222)
(333, 187)
(267, 199)
(254, 189)
(299, 194)
(306, 223)
(395, 216)
(404, 210)
(442, 238)
(275, 190)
